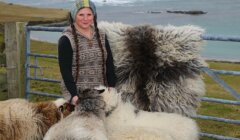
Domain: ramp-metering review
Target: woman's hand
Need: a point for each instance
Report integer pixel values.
(74, 100)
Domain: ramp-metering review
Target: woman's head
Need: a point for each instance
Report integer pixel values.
(83, 4)
(84, 18)
(86, 7)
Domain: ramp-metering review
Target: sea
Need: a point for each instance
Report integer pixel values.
(222, 18)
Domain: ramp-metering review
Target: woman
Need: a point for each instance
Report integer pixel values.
(85, 58)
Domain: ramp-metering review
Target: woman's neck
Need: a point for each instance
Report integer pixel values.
(88, 32)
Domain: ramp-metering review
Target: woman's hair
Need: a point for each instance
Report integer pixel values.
(77, 47)
(101, 47)
(76, 43)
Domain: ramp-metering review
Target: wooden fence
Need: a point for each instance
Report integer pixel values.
(15, 58)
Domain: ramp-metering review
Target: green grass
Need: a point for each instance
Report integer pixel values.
(13, 12)
(49, 69)
(19, 13)
(220, 110)
(1, 38)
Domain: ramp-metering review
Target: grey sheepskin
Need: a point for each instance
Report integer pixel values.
(158, 68)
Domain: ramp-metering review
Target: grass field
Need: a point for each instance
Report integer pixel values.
(221, 110)
(12, 12)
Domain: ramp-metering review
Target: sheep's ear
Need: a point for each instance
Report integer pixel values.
(100, 90)
(66, 106)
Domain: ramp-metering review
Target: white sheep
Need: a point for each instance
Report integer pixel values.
(22, 120)
(124, 121)
(85, 123)
(137, 133)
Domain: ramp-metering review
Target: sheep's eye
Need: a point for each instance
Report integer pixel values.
(101, 91)
(60, 109)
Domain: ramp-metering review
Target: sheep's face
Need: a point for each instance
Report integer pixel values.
(64, 107)
(98, 97)
(90, 100)
(110, 96)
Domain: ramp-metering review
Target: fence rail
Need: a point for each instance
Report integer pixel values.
(206, 99)
(212, 73)
(221, 38)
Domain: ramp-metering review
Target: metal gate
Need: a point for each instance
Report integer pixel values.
(212, 73)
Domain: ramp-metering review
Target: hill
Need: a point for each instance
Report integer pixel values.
(12, 13)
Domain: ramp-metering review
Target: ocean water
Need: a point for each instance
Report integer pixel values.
(222, 18)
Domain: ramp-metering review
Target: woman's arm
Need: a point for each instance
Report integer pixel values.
(65, 54)
(110, 72)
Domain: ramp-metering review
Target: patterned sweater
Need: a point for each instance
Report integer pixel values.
(90, 63)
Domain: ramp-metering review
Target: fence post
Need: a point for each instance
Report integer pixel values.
(15, 58)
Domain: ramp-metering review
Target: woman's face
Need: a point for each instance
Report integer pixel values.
(84, 18)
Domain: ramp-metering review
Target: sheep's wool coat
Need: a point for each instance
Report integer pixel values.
(158, 68)
(85, 123)
(22, 120)
(125, 122)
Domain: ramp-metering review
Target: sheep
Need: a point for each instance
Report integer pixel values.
(23, 120)
(158, 68)
(137, 133)
(124, 122)
(85, 123)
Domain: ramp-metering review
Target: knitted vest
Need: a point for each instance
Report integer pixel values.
(90, 61)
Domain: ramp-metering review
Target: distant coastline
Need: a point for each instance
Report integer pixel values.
(190, 12)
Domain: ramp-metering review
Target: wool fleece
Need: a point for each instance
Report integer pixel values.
(158, 68)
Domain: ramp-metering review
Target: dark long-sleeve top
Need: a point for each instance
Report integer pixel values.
(65, 54)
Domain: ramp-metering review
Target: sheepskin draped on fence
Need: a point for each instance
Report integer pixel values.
(212, 73)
